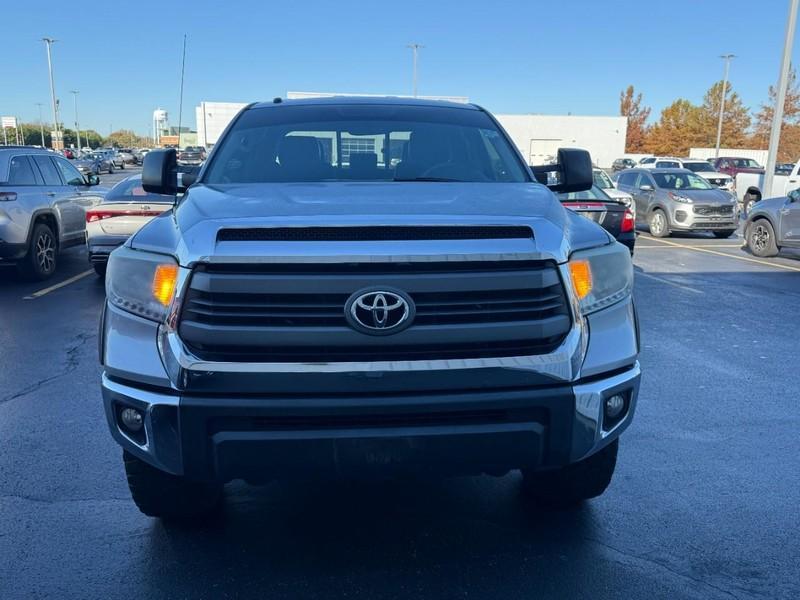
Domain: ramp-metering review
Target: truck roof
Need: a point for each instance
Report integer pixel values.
(365, 100)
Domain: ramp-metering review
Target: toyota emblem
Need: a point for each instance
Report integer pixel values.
(379, 311)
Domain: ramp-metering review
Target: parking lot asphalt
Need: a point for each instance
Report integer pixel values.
(704, 504)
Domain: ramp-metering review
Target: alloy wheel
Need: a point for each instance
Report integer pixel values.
(45, 252)
(759, 238)
(657, 223)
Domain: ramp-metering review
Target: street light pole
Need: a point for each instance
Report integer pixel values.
(77, 127)
(727, 58)
(49, 43)
(415, 48)
(41, 123)
(777, 117)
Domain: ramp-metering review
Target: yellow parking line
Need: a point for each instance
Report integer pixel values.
(57, 286)
(743, 258)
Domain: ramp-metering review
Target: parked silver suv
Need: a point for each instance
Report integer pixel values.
(43, 202)
(669, 200)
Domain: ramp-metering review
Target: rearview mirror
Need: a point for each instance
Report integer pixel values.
(571, 173)
(160, 172)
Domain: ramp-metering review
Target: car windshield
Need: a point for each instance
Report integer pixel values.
(602, 180)
(697, 167)
(745, 163)
(593, 193)
(381, 142)
(681, 181)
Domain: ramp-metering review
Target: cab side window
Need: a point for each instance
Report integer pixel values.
(20, 171)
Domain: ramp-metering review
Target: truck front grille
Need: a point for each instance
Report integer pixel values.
(296, 313)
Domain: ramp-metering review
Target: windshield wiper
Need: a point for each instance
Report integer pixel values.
(440, 179)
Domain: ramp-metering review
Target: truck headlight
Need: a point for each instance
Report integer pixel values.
(601, 277)
(142, 283)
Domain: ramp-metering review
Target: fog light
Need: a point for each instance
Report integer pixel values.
(614, 406)
(132, 419)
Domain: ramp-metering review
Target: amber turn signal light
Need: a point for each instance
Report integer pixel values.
(581, 274)
(164, 281)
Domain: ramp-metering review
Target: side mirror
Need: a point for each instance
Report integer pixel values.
(794, 196)
(188, 177)
(646, 187)
(92, 179)
(160, 172)
(571, 173)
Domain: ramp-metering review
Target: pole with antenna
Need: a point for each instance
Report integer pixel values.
(415, 48)
(180, 102)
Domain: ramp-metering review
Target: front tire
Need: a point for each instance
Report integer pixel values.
(725, 234)
(169, 497)
(100, 269)
(571, 485)
(42, 257)
(760, 239)
(657, 221)
(748, 201)
(110, 169)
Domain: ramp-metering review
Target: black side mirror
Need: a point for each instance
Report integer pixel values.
(794, 196)
(571, 173)
(188, 177)
(160, 172)
(92, 179)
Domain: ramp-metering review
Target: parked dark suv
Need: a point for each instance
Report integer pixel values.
(621, 164)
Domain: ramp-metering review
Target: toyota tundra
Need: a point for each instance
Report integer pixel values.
(367, 287)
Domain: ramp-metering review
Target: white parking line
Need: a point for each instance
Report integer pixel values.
(57, 286)
(643, 246)
(685, 288)
(742, 258)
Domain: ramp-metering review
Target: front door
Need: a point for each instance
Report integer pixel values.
(790, 221)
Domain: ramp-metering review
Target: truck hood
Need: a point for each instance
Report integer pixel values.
(190, 231)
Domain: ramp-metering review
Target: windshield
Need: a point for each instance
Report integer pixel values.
(593, 193)
(745, 163)
(382, 142)
(697, 167)
(602, 180)
(681, 181)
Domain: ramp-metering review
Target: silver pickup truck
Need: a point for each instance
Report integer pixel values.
(367, 287)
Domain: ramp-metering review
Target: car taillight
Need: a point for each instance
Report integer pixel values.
(627, 221)
(97, 215)
(8, 196)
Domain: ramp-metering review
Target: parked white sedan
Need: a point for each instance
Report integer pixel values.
(125, 209)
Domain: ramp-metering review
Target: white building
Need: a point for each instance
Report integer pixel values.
(760, 156)
(539, 137)
(213, 118)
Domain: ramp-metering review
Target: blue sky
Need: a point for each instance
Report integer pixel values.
(531, 56)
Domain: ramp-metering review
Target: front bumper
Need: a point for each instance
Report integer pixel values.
(12, 252)
(684, 218)
(224, 437)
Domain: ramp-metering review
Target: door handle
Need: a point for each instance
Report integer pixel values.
(51, 194)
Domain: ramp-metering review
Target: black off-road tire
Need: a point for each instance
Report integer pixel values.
(42, 258)
(656, 229)
(571, 485)
(724, 234)
(168, 497)
(100, 269)
(760, 239)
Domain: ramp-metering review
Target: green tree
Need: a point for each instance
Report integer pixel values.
(630, 105)
(125, 138)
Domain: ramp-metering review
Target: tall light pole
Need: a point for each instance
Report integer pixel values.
(49, 43)
(727, 58)
(77, 127)
(415, 48)
(41, 123)
(783, 82)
